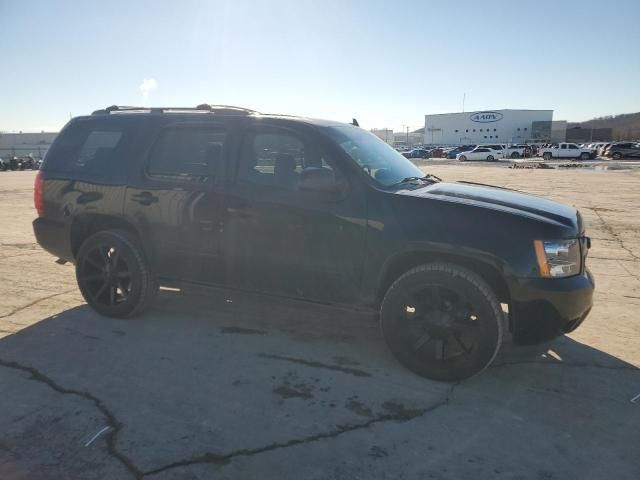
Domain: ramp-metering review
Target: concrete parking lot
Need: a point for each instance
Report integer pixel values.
(229, 385)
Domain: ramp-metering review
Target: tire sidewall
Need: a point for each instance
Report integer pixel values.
(131, 255)
(456, 279)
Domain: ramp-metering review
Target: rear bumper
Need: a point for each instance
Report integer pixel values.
(542, 309)
(54, 237)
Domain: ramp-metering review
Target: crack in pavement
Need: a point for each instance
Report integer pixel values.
(614, 234)
(399, 415)
(310, 363)
(31, 304)
(112, 421)
(223, 459)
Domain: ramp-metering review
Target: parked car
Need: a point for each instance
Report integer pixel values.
(463, 148)
(517, 151)
(417, 153)
(602, 149)
(566, 150)
(501, 149)
(437, 153)
(623, 150)
(309, 209)
(480, 153)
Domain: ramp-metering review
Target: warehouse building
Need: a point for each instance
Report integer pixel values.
(488, 126)
(25, 144)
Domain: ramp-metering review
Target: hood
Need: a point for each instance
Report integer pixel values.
(510, 201)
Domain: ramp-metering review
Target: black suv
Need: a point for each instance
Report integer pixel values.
(623, 150)
(308, 209)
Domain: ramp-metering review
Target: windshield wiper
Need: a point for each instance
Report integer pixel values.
(428, 177)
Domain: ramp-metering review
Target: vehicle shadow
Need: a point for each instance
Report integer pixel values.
(200, 377)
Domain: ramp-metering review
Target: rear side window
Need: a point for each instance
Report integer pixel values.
(86, 146)
(187, 152)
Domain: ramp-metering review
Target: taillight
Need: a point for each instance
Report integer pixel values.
(37, 194)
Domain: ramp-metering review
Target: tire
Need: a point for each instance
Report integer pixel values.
(546, 156)
(490, 158)
(462, 158)
(585, 156)
(617, 156)
(515, 155)
(461, 315)
(113, 274)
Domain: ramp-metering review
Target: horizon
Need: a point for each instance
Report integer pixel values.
(385, 64)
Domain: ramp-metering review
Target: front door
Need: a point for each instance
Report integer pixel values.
(282, 239)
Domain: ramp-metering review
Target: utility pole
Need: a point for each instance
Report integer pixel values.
(407, 134)
(464, 97)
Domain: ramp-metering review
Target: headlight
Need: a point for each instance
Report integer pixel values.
(559, 258)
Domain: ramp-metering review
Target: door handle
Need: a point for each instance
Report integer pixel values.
(144, 198)
(239, 212)
(206, 225)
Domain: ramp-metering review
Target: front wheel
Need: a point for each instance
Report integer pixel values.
(546, 156)
(113, 274)
(515, 155)
(490, 158)
(462, 158)
(617, 156)
(442, 322)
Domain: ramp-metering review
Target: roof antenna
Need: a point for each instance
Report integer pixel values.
(355, 123)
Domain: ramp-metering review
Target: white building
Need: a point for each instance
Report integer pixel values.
(488, 126)
(385, 134)
(407, 139)
(23, 144)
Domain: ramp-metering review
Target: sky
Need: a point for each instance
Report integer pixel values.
(386, 63)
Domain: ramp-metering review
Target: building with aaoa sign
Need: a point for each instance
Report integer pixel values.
(488, 126)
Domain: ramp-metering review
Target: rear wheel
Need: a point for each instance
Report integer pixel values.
(442, 322)
(546, 156)
(113, 274)
(585, 156)
(515, 155)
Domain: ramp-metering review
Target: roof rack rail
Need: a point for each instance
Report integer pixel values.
(226, 109)
(203, 107)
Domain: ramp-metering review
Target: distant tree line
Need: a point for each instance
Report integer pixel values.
(625, 126)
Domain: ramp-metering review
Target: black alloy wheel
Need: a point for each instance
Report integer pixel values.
(442, 322)
(113, 275)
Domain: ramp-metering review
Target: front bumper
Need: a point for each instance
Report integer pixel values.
(542, 308)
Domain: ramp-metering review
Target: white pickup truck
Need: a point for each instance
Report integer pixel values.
(566, 150)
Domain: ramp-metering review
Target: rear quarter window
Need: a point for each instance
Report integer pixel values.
(87, 146)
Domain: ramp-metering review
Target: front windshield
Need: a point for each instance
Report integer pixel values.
(380, 161)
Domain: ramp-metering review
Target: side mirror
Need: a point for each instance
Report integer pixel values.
(320, 180)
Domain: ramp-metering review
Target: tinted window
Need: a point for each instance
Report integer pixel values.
(276, 158)
(187, 152)
(86, 146)
(573, 147)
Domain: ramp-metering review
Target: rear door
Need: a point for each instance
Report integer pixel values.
(172, 199)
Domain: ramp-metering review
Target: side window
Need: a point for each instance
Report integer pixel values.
(98, 147)
(573, 147)
(563, 146)
(277, 158)
(86, 146)
(187, 152)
